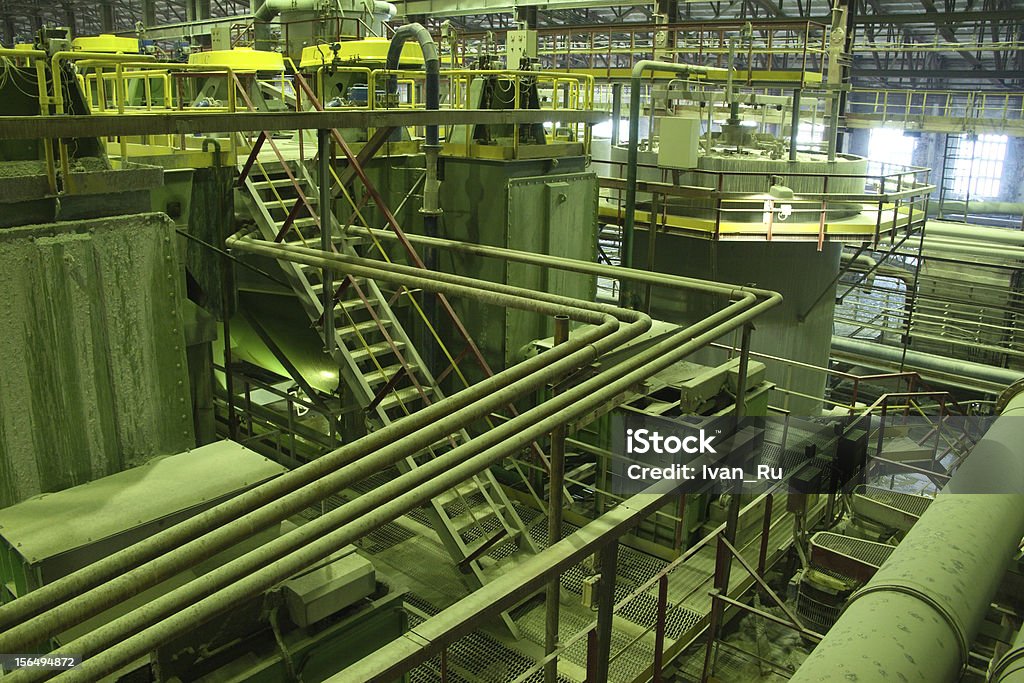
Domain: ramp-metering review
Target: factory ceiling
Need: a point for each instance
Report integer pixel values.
(908, 43)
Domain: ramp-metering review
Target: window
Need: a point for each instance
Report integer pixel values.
(979, 166)
(888, 146)
(808, 135)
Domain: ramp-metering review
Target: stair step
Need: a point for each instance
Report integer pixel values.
(404, 397)
(376, 377)
(355, 304)
(364, 353)
(284, 181)
(464, 522)
(318, 287)
(347, 329)
(300, 223)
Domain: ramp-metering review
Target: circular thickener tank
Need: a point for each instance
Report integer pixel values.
(754, 172)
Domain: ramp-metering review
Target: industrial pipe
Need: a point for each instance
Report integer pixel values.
(977, 207)
(385, 11)
(62, 590)
(319, 538)
(333, 481)
(1010, 667)
(959, 246)
(431, 64)
(271, 8)
(916, 618)
(633, 152)
(974, 233)
(927, 361)
(562, 263)
(519, 380)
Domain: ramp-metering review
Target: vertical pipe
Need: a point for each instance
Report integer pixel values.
(556, 482)
(741, 380)
(226, 284)
(323, 140)
(766, 528)
(616, 111)
(794, 124)
(833, 126)
(633, 155)
(605, 606)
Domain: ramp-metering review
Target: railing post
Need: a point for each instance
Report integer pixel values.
(323, 139)
(766, 527)
(659, 629)
(605, 608)
(556, 480)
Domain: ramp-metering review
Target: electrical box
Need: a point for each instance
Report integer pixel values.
(678, 141)
(319, 593)
(590, 584)
(520, 44)
(220, 38)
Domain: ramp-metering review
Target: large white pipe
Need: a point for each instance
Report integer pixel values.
(926, 361)
(384, 11)
(917, 617)
(1010, 668)
(271, 8)
(973, 233)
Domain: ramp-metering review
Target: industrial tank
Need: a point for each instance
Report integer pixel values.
(800, 329)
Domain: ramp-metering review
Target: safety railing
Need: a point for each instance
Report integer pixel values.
(786, 46)
(895, 199)
(902, 105)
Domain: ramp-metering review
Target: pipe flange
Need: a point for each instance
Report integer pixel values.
(961, 638)
(1008, 394)
(1010, 663)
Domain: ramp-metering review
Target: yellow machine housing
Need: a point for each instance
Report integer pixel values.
(239, 59)
(369, 52)
(106, 43)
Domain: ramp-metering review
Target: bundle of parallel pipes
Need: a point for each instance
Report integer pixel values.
(81, 595)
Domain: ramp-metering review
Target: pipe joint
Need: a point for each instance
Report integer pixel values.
(962, 641)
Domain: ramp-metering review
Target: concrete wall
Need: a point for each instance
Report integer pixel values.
(92, 358)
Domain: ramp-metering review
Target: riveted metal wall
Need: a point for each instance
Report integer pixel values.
(93, 374)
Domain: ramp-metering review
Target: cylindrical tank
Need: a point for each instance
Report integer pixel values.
(801, 328)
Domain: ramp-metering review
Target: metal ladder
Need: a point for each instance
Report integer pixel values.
(381, 367)
(947, 188)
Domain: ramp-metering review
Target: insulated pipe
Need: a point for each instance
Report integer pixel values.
(15, 631)
(917, 617)
(562, 263)
(115, 631)
(271, 8)
(634, 154)
(431, 63)
(1010, 668)
(917, 359)
(386, 11)
(959, 247)
(321, 537)
(955, 244)
(616, 112)
(62, 590)
(978, 207)
(794, 124)
(974, 233)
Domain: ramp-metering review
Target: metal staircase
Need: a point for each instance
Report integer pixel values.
(379, 363)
